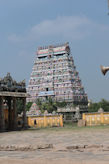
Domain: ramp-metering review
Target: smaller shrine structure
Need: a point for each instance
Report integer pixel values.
(10, 92)
(34, 110)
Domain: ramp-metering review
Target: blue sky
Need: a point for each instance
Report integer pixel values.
(27, 24)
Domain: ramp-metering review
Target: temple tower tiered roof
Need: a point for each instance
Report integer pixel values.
(54, 75)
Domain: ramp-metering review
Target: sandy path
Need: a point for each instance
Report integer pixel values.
(84, 146)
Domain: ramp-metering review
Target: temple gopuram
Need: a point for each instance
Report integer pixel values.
(10, 92)
(54, 75)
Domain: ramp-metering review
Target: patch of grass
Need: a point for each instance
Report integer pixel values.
(69, 127)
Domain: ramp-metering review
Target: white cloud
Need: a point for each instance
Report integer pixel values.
(67, 27)
(15, 38)
(62, 26)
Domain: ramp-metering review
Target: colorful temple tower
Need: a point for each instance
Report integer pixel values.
(54, 75)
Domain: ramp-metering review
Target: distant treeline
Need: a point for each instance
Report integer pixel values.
(94, 107)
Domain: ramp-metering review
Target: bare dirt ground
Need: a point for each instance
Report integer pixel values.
(66, 145)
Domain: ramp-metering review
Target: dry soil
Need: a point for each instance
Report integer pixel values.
(56, 146)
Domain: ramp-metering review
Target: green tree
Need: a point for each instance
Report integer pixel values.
(93, 107)
(61, 104)
(48, 105)
(19, 106)
(105, 105)
(28, 106)
(102, 104)
(39, 103)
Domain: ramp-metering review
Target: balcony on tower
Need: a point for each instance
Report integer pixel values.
(46, 93)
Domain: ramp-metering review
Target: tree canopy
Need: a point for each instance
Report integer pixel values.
(49, 105)
(94, 107)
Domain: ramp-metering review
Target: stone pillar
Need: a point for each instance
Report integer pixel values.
(14, 114)
(2, 119)
(9, 114)
(24, 114)
(64, 117)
